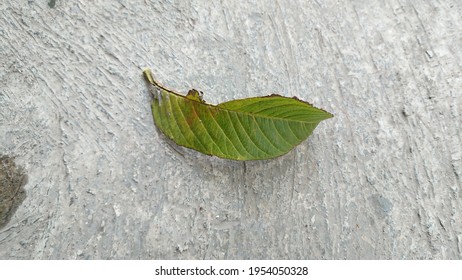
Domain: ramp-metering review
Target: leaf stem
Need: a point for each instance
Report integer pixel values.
(148, 75)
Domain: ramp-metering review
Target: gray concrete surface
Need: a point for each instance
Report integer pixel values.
(381, 180)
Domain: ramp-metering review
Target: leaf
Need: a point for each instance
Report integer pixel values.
(242, 129)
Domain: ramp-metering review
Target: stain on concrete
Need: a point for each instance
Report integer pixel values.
(12, 193)
(382, 205)
(52, 3)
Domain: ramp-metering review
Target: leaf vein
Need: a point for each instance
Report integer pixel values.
(176, 122)
(192, 132)
(235, 132)
(280, 135)
(292, 131)
(248, 136)
(205, 129)
(269, 141)
(224, 133)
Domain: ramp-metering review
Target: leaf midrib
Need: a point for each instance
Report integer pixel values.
(249, 114)
(161, 87)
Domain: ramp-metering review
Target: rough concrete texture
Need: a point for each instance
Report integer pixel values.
(381, 180)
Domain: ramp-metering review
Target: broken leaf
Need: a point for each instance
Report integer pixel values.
(243, 129)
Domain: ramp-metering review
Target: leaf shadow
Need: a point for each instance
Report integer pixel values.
(258, 175)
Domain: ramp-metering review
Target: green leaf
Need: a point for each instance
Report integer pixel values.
(243, 129)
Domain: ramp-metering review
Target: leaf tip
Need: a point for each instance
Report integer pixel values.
(327, 115)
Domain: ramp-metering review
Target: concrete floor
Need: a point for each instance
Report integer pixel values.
(381, 180)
